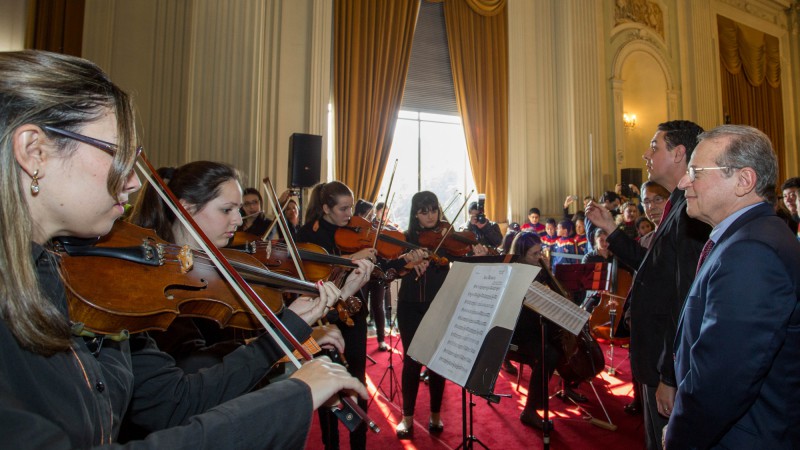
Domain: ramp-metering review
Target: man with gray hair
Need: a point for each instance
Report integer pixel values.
(737, 352)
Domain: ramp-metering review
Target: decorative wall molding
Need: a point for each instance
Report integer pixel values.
(647, 13)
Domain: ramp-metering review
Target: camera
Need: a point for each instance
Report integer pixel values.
(481, 217)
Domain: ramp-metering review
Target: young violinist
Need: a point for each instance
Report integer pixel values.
(528, 335)
(377, 290)
(211, 192)
(417, 290)
(330, 207)
(68, 148)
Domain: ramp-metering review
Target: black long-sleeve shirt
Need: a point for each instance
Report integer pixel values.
(76, 399)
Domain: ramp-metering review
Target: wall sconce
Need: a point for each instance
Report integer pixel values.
(629, 121)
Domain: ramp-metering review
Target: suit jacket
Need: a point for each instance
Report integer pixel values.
(664, 274)
(738, 347)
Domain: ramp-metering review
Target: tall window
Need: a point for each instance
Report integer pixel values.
(429, 142)
(431, 154)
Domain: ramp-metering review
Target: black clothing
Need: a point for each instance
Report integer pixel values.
(76, 399)
(489, 235)
(415, 297)
(259, 226)
(355, 339)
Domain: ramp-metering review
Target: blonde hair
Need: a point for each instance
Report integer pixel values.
(47, 89)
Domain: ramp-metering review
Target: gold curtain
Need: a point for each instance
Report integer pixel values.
(751, 82)
(478, 39)
(372, 48)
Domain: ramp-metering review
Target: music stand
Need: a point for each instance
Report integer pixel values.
(479, 303)
(394, 386)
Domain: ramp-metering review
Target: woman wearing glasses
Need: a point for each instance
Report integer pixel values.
(417, 290)
(57, 392)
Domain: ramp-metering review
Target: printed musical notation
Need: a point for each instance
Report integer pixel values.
(471, 322)
(553, 306)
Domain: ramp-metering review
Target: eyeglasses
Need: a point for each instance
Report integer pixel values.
(692, 172)
(656, 200)
(107, 147)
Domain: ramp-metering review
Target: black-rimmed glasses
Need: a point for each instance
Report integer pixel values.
(107, 147)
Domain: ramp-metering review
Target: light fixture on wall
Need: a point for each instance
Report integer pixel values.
(629, 121)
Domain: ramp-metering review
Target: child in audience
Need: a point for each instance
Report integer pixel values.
(564, 244)
(643, 227)
(533, 223)
(549, 237)
(580, 233)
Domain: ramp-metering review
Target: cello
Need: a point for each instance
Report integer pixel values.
(606, 316)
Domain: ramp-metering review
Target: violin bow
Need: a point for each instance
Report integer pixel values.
(272, 225)
(283, 224)
(385, 206)
(245, 292)
(451, 201)
(450, 228)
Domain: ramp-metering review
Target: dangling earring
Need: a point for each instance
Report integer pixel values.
(35, 183)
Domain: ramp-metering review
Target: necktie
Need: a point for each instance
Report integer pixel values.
(704, 253)
(667, 208)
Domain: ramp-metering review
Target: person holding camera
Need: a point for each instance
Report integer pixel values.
(486, 232)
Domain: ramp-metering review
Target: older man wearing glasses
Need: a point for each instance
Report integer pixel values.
(737, 354)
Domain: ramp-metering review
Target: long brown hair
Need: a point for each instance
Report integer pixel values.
(197, 183)
(47, 89)
(325, 194)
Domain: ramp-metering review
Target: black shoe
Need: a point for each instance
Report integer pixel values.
(435, 429)
(423, 376)
(508, 367)
(404, 433)
(531, 419)
(574, 396)
(383, 347)
(633, 408)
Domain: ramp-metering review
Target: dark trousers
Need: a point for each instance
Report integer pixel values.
(537, 389)
(355, 351)
(653, 421)
(409, 315)
(377, 295)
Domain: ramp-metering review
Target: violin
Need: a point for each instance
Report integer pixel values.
(317, 263)
(455, 243)
(359, 233)
(241, 238)
(161, 282)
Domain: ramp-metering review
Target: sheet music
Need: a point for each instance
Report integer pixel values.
(473, 316)
(555, 307)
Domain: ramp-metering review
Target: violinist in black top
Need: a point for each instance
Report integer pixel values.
(68, 150)
(417, 291)
(331, 207)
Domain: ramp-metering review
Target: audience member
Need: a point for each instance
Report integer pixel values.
(664, 272)
(533, 223)
(737, 352)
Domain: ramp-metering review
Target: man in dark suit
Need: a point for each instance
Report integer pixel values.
(664, 273)
(738, 347)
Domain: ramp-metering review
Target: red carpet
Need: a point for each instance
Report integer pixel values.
(497, 425)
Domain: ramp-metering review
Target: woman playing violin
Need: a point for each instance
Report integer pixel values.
(330, 207)
(210, 191)
(417, 291)
(68, 147)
